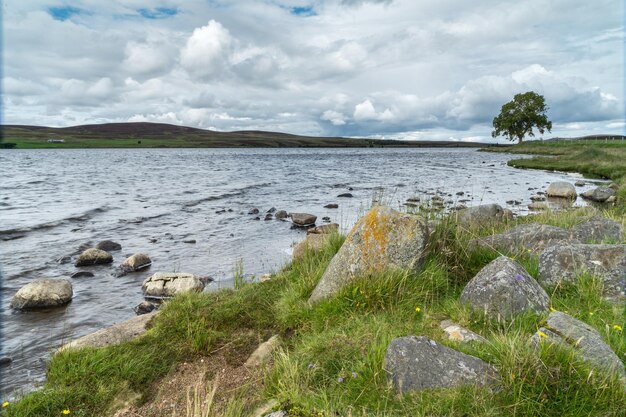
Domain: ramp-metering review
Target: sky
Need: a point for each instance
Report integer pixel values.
(399, 69)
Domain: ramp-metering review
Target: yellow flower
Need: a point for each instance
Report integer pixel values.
(5, 404)
(418, 309)
(591, 313)
(552, 309)
(542, 334)
(617, 327)
(66, 411)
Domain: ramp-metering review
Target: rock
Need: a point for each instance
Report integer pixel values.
(144, 307)
(480, 214)
(597, 229)
(413, 200)
(5, 360)
(536, 206)
(507, 214)
(64, 259)
(82, 274)
(303, 219)
(561, 189)
(272, 210)
(331, 206)
(113, 335)
(528, 237)
(43, 293)
(567, 332)
(263, 353)
(537, 197)
(326, 219)
(324, 229)
(503, 289)
(460, 334)
(265, 277)
(565, 263)
(94, 256)
(108, 245)
(345, 195)
(416, 363)
(136, 262)
(281, 215)
(611, 199)
(460, 193)
(189, 241)
(279, 413)
(382, 239)
(312, 243)
(580, 183)
(268, 217)
(168, 284)
(599, 194)
(254, 211)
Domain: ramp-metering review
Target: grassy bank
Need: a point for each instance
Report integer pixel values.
(331, 358)
(594, 159)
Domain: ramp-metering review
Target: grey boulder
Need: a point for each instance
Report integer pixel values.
(480, 214)
(382, 239)
(303, 219)
(281, 215)
(598, 194)
(43, 293)
(416, 363)
(567, 332)
(565, 263)
(526, 237)
(503, 289)
(168, 284)
(561, 189)
(596, 229)
(136, 262)
(94, 256)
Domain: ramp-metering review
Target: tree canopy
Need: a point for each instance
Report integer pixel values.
(519, 116)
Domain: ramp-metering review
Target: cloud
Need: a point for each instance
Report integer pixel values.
(336, 118)
(206, 53)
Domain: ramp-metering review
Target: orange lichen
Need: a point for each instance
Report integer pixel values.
(375, 235)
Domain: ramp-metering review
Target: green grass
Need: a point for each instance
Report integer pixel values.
(331, 361)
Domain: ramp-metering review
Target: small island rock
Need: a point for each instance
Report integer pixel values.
(136, 262)
(94, 256)
(43, 293)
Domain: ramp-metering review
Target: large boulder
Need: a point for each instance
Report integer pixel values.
(303, 219)
(43, 293)
(598, 194)
(526, 237)
(136, 262)
(94, 256)
(382, 239)
(312, 243)
(480, 214)
(561, 189)
(121, 332)
(503, 289)
(168, 284)
(416, 363)
(565, 263)
(597, 229)
(565, 331)
(108, 245)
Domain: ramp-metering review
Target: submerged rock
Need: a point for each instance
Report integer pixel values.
(43, 293)
(382, 239)
(567, 332)
(168, 284)
(345, 195)
(503, 289)
(561, 189)
(565, 263)
(136, 262)
(82, 274)
(108, 245)
(303, 219)
(416, 363)
(94, 256)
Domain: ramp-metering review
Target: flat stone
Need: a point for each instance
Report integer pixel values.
(263, 353)
(460, 334)
(168, 284)
(565, 263)
(415, 363)
(567, 332)
(331, 206)
(534, 237)
(43, 293)
(93, 256)
(503, 289)
(382, 239)
(303, 219)
(597, 229)
(118, 333)
(345, 195)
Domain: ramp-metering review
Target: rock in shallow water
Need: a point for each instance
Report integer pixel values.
(82, 274)
(303, 219)
(108, 245)
(94, 256)
(136, 262)
(416, 363)
(561, 189)
(168, 284)
(43, 293)
(599, 194)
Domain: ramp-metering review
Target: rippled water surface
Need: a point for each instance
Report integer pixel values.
(151, 201)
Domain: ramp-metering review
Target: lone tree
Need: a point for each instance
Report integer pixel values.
(519, 116)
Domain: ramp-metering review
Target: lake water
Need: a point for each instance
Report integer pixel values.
(151, 201)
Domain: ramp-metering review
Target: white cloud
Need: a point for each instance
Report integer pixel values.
(336, 118)
(206, 53)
